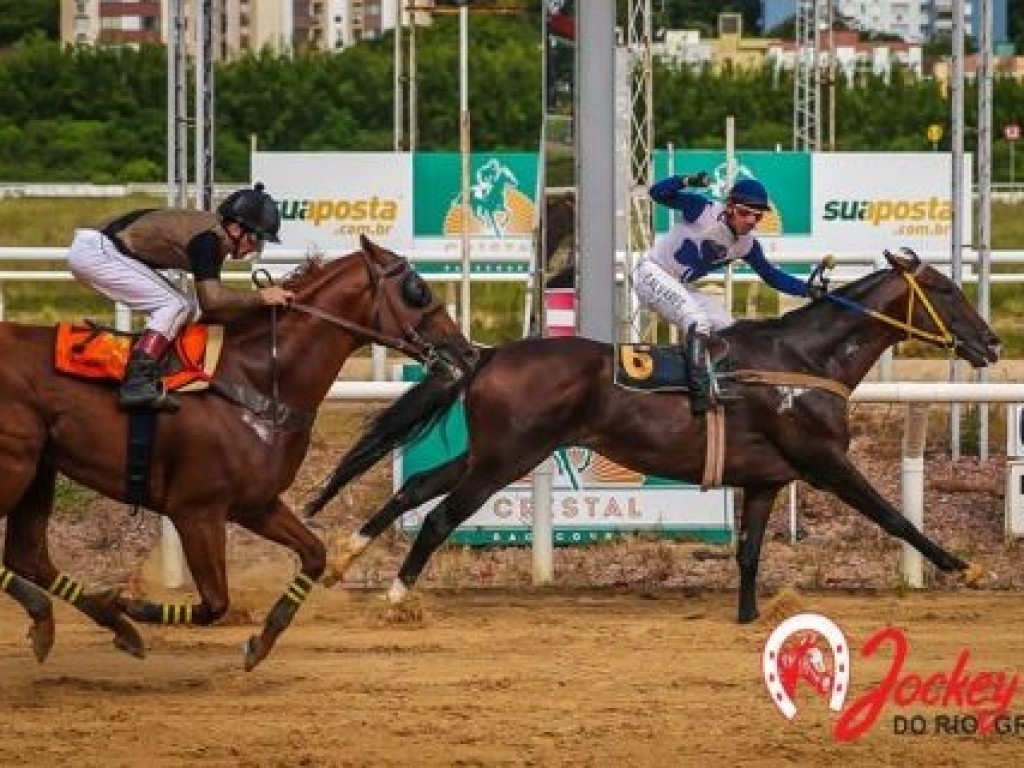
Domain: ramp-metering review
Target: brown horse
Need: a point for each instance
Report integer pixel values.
(227, 455)
(528, 398)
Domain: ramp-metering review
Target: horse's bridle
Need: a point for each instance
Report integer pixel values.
(413, 343)
(943, 336)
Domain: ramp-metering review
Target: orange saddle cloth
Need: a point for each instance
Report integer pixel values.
(97, 353)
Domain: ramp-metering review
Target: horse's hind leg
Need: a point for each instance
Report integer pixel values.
(26, 552)
(757, 508)
(418, 489)
(282, 526)
(473, 489)
(38, 606)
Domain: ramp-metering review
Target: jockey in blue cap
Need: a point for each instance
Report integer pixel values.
(708, 236)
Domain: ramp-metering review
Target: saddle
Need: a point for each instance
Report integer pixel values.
(657, 368)
(92, 351)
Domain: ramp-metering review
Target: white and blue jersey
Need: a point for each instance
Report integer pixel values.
(702, 242)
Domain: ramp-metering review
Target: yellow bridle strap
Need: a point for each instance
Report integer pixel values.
(943, 337)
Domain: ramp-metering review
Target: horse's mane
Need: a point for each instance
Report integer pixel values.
(302, 279)
(306, 272)
(854, 291)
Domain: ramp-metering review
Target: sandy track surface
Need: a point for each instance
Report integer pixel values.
(487, 677)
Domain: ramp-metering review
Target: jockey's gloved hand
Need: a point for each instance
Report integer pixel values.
(701, 179)
(816, 291)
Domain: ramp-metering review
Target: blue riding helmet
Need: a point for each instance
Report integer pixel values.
(751, 193)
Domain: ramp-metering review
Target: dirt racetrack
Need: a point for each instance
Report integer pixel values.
(490, 677)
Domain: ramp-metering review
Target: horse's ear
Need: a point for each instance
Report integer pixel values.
(367, 244)
(904, 259)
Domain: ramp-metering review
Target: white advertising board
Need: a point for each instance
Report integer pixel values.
(329, 199)
(869, 201)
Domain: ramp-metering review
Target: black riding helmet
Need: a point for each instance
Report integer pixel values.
(255, 210)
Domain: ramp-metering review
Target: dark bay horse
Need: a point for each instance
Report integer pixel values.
(530, 397)
(220, 458)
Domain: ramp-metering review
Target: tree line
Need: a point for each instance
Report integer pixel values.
(99, 114)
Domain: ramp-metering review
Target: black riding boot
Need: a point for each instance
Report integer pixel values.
(698, 370)
(142, 387)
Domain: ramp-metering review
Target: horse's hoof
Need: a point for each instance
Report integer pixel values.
(130, 643)
(41, 636)
(254, 652)
(397, 593)
(331, 575)
(342, 558)
(973, 575)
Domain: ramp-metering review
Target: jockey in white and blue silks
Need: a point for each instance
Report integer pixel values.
(708, 236)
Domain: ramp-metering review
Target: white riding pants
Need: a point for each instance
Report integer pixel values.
(679, 303)
(94, 260)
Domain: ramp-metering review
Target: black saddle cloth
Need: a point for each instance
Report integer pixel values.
(651, 368)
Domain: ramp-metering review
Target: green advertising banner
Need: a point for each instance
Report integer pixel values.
(503, 194)
(594, 499)
(787, 175)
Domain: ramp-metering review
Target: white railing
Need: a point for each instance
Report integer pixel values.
(878, 392)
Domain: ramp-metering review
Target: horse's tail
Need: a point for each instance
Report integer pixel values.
(409, 416)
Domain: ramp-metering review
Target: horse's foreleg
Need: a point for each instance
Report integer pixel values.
(836, 474)
(757, 508)
(282, 526)
(418, 489)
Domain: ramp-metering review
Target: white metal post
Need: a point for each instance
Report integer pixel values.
(984, 200)
(465, 148)
(914, 433)
(543, 523)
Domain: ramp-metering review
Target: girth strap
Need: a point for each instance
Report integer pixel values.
(714, 455)
(786, 378)
(279, 414)
(142, 425)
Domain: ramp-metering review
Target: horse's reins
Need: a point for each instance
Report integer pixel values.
(415, 347)
(943, 337)
(370, 334)
(715, 448)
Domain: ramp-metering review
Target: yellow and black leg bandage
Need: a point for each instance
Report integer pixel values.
(160, 613)
(25, 592)
(66, 588)
(299, 589)
(284, 610)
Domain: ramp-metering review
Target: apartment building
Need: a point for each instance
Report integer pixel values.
(915, 21)
(238, 25)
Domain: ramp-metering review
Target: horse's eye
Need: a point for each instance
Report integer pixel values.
(415, 291)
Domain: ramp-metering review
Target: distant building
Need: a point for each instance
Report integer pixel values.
(239, 25)
(854, 56)
(685, 47)
(913, 20)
